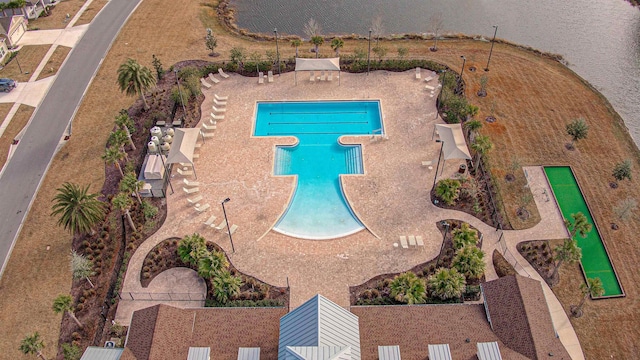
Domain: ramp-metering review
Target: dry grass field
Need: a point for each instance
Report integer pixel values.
(27, 59)
(55, 61)
(18, 122)
(58, 17)
(533, 98)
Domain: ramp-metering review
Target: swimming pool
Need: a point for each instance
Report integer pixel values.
(318, 209)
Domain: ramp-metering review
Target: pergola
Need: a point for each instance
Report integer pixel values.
(182, 147)
(454, 146)
(329, 64)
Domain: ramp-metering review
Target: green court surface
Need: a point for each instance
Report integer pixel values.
(595, 261)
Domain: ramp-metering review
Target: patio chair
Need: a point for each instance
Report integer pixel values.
(219, 103)
(191, 190)
(419, 241)
(221, 98)
(330, 77)
(210, 220)
(213, 122)
(190, 183)
(202, 208)
(221, 72)
(185, 171)
(313, 76)
(233, 229)
(194, 200)
(427, 163)
(270, 76)
(260, 78)
(429, 87)
(222, 225)
(208, 127)
(322, 76)
(217, 117)
(215, 109)
(205, 83)
(213, 78)
(403, 242)
(186, 164)
(417, 73)
(428, 78)
(205, 135)
(412, 241)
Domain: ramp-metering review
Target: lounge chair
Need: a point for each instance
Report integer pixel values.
(213, 122)
(215, 109)
(208, 127)
(270, 76)
(419, 241)
(260, 77)
(428, 78)
(185, 171)
(222, 225)
(186, 164)
(313, 76)
(210, 220)
(330, 77)
(196, 156)
(217, 117)
(417, 73)
(403, 242)
(202, 208)
(429, 87)
(427, 163)
(205, 135)
(322, 76)
(190, 183)
(205, 83)
(213, 78)
(191, 190)
(220, 98)
(219, 103)
(221, 72)
(194, 200)
(233, 228)
(412, 241)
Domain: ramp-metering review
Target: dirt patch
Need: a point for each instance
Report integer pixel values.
(18, 122)
(55, 61)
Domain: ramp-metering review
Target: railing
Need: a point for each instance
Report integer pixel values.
(146, 296)
(502, 247)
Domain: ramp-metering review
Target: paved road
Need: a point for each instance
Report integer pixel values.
(23, 174)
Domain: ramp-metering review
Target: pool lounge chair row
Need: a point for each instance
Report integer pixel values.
(222, 226)
(261, 77)
(213, 79)
(413, 242)
(322, 77)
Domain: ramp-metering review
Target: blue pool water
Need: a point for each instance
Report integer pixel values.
(318, 209)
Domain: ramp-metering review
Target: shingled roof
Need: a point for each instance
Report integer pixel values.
(165, 332)
(520, 317)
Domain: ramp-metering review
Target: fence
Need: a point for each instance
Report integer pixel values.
(146, 296)
(502, 247)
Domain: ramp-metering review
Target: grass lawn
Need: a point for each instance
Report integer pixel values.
(18, 122)
(54, 62)
(58, 17)
(28, 59)
(91, 11)
(532, 97)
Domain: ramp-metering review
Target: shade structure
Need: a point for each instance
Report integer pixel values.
(184, 142)
(455, 146)
(328, 64)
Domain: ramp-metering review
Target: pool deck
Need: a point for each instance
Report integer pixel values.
(391, 198)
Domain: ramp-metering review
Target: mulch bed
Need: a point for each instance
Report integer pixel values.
(539, 253)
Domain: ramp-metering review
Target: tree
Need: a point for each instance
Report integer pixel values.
(191, 248)
(81, 267)
(481, 145)
(211, 264)
(579, 225)
(469, 261)
(131, 185)
(577, 129)
(64, 304)
(408, 288)
(135, 79)
(336, 45)
(380, 52)
(71, 352)
(118, 138)
(463, 236)
(157, 65)
(33, 345)
(317, 40)
(211, 42)
(592, 288)
(312, 28)
(625, 208)
(238, 55)
(296, 44)
(472, 127)
(402, 52)
(113, 155)
(123, 202)
(78, 210)
(377, 27)
(226, 286)
(483, 85)
(448, 190)
(436, 25)
(622, 170)
(124, 122)
(446, 284)
(568, 252)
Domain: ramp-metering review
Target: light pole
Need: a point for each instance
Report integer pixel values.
(438, 165)
(369, 54)
(275, 31)
(464, 60)
(444, 238)
(492, 42)
(227, 221)
(184, 109)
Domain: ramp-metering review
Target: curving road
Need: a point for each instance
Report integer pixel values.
(23, 174)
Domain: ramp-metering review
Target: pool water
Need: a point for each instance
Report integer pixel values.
(318, 209)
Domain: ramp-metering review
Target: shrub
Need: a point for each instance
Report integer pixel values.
(71, 352)
(149, 210)
(408, 288)
(448, 190)
(464, 235)
(622, 170)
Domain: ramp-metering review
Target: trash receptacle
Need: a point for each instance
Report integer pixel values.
(462, 169)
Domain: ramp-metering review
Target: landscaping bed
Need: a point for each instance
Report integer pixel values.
(539, 254)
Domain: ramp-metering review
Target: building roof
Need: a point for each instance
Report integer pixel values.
(439, 352)
(164, 332)
(99, 353)
(414, 327)
(489, 351)
(520, 317)
(391, 352)
(319, 322)
(248, 353)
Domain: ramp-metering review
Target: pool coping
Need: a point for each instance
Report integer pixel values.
(604, 244)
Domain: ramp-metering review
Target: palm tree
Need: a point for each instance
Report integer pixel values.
(211, 264)
(463, 236)
(408, 288)
(78, 210)
(64, 304)
(592, 288)
(226, 286)
(446, 284)
(124, 122)
(568, 252)
(469, 261)
(123, 202)
(3, 9)
(118, 138)
(113, 155)
(472, 127)
(32, 344)
(481, 145)
(580, 225)
(81, 267)
(191, 248)
(135, 79)
(131, 185)
(336, 45)
(448, 190)
(317, 40)
(296, 43)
